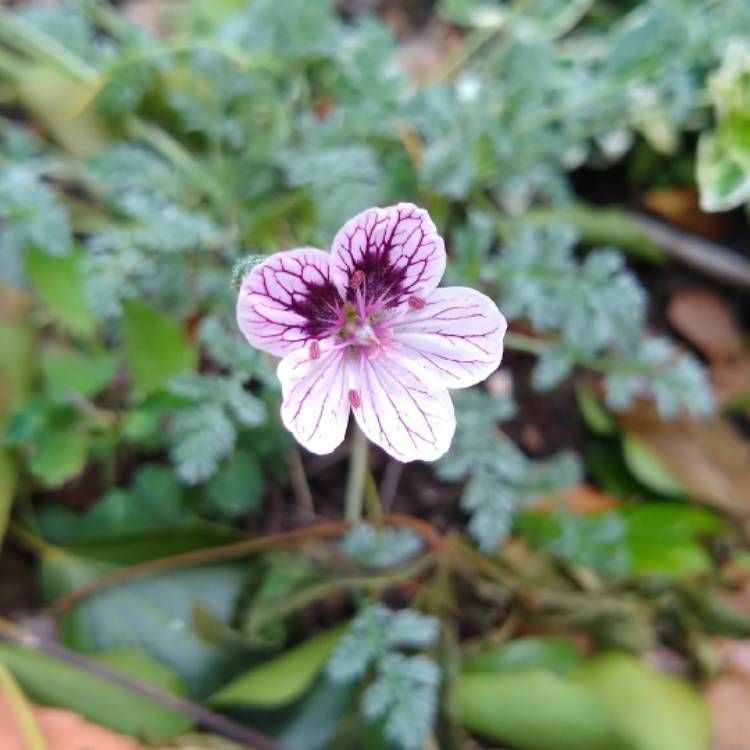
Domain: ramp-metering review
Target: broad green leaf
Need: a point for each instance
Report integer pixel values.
(652, 710)
(535, 710)
(647, 467)
(156, 347)
(283, 679)
(67, 371)
(154, 613)
(554, 654)
(58, 456)
(155, 500)
(643, 539)
(723, 181)
(56, 683)
(237, 487)
(59, 282)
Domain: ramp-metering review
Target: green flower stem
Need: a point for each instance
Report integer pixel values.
(530, 344)
(355, 486)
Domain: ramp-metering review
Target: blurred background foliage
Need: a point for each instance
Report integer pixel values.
(597, 490)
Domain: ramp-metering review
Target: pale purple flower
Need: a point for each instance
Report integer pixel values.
(366, 329)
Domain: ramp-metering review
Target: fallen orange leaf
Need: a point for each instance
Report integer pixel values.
(703, 318)
(64, 730)
(583, 498)
(729, 697)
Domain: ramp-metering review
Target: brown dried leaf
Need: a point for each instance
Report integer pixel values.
(703, 318)
(681, 206)
(708, 457)
(731, 378)
(583, 498)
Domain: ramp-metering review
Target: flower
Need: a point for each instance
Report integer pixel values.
(365, 329)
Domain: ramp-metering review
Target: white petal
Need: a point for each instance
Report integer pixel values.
(405, 416)
(457, 336)
(288, 300)
(315, 406)
(396, 250)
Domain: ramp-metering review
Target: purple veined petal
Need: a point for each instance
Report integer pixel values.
(397, 410)
(315, 388)
(455, 333)
(388, 253)
(288, 300)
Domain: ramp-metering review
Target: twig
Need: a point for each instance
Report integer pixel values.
(708, 257)
(233, 551)
(300, 486)
(389, 485)
(201, 715)
(355, 486)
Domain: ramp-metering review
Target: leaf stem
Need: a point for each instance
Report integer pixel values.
(244, 548)
(530, 344)
(355, 486)
(201, 715)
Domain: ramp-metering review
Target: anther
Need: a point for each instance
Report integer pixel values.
(314, 350)
(357, 278)
(416, 303)
(354, 398)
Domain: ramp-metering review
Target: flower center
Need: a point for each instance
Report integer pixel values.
(364, 329)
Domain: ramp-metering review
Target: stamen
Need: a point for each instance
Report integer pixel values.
(350, 314)
(416, 303)
(357, 278)
(314, 350)
(354, 398)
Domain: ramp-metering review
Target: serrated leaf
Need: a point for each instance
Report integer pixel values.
(404, 696)
(59, 456)
(59, 282)
(67, 371)
(156, 347)
(201, 438)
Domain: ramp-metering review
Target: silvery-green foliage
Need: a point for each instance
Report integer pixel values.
(404, 691)
(676, 380)
(380, 547)
(344, 180)
(375, 631)
(205, 432)
(202, 437)
(405, 695)
(31, 216)
(594, 309)
(594, 303)
(499, 477)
